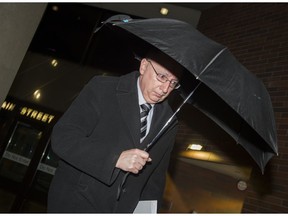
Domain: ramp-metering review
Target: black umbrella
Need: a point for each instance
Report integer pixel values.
(228, 93)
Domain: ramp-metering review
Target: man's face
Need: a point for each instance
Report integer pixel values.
(152, 89)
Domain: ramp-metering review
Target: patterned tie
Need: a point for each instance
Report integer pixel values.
(143, 116)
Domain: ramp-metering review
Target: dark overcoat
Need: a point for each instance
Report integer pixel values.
(102, 122)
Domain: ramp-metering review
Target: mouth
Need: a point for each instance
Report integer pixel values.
(158, 95)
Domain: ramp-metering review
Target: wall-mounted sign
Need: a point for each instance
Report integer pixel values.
(35, 114)
(28, 112)
(242, 185)
(8, 106)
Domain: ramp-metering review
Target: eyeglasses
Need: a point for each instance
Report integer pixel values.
(163, 78)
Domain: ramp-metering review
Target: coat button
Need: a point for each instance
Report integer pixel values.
(124, 190)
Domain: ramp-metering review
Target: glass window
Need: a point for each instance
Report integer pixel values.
(19, 151)
(46, 171)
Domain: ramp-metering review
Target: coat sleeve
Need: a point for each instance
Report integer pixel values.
(72, 142)
(155, 186)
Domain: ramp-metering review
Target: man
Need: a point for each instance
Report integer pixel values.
(98, 141)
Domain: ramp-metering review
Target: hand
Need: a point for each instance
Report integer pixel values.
(133, 160)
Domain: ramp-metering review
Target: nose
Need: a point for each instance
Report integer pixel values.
(165, 87)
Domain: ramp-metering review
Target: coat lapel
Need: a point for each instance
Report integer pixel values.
(128, 101)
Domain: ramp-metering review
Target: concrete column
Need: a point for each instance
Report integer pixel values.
(19, 22)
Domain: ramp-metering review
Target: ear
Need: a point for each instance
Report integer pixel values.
(143, 66)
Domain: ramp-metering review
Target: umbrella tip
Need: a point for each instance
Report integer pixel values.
(137, 57)
(119, 18)
(116, 18)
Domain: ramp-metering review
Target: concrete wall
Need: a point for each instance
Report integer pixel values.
(19, 22)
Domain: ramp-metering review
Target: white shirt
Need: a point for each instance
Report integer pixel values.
(150, 114)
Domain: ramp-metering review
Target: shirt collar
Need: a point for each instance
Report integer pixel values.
(141, 99)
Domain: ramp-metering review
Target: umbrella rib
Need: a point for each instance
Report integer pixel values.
(212, 60)
(169, 120)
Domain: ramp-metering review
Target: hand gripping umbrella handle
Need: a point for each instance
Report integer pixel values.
(156, 138)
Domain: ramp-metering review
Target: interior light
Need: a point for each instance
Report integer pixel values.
(196, 147)
(37, 94)
(164, 11)
(54, 62)
(55, 8)
(202, 155)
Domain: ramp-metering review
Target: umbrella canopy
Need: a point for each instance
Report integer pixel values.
(229, 94)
